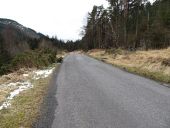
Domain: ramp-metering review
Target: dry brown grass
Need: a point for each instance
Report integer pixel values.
(15, 76)
(61, 54)
(25, 107)
(154, 61)
(11, 78)
(4, 92)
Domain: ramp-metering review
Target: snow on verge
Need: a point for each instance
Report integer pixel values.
(23, 86)
(42, 73)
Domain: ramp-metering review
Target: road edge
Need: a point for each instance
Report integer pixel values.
(134, 73)
(47, 109)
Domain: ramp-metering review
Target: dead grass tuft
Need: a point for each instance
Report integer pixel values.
(15, 77)
(166, 62)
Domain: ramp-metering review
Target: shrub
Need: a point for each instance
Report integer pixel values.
(38, 59)
(59, 60)
(30, 59)
(166, 62)
(5, 69)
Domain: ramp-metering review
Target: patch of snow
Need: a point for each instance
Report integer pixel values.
(25, 75)
(42, 73)
(13, 84)
(5, 105)
(10, 84)
(23, 86)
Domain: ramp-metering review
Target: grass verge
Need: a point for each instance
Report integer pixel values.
(153, 64)
(158, 76)
(25, 107)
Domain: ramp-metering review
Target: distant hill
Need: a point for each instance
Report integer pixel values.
(16, 38)
(20, 29)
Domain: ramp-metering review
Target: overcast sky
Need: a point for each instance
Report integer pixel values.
(63, 18)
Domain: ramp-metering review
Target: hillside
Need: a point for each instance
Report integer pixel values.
(4, 23)
(23, 47)
(14, 37)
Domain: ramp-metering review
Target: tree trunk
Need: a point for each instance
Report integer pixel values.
(125, 21)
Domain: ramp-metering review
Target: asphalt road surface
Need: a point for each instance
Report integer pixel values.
(92, 94)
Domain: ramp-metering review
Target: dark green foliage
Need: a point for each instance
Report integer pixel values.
(37, 58)
(73, 45)
(129, 24)
(30, 59)
(24, 48)
(5, 68)
(38, 52)
(4, 58)
(33, 43)
(59, 60)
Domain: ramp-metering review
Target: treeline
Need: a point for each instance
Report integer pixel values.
(20, 51)
(22, 47)
(129, 24)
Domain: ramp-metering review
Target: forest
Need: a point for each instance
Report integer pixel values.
(127, 24)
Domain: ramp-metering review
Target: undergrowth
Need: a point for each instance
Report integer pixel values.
(30, 59)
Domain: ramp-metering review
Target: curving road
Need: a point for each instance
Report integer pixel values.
(92, 94)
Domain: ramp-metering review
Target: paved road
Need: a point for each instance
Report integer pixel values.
(91, 94)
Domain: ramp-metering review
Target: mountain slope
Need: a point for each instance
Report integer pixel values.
(4, 23)
(16, 38)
